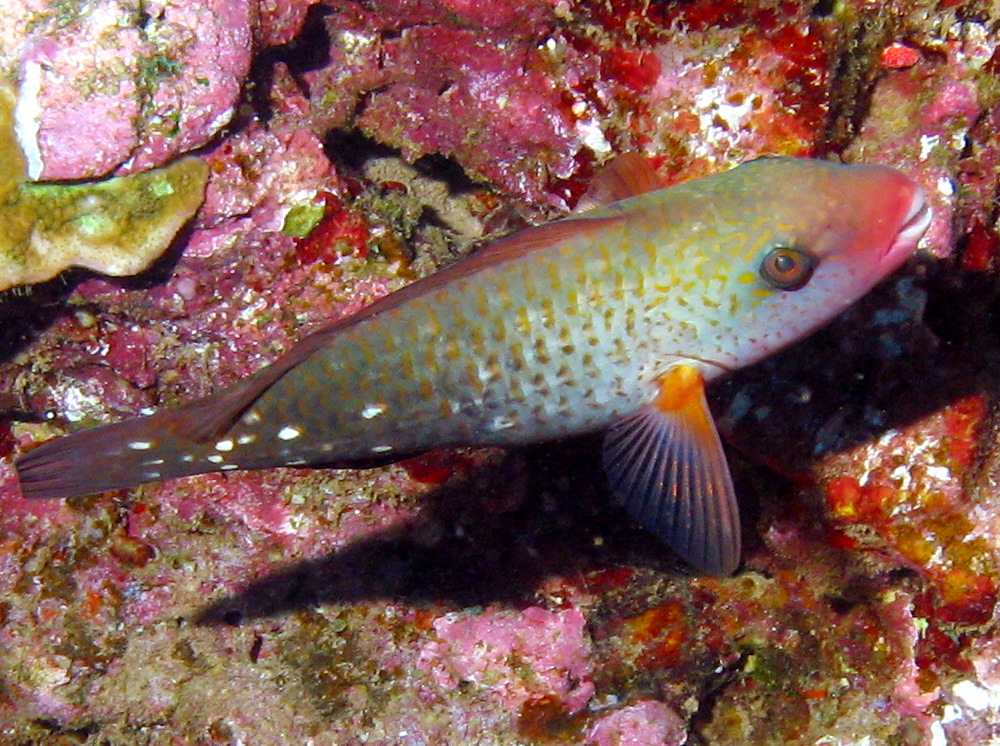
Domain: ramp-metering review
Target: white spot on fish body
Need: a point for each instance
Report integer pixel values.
(381, 449)
(244, 439)
(224, 445)
(140, 445)
(152, 475)
(187, 458)
(229, 467)
(373, 410)
(215, 458)
(289, 433)
(153, 462)
(296, 462)
(501, 423)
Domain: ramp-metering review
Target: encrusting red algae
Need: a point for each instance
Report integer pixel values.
(615, 317)
(376, 604)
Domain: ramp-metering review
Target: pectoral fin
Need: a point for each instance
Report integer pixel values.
(666, 463)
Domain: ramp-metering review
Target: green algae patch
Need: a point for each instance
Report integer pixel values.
(117, 226)
(301, 219)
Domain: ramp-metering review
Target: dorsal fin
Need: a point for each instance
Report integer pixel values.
(626, 175)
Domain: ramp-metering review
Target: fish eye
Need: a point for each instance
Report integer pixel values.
(786, 268)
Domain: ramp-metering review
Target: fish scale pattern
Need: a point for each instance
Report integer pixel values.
(512, 354)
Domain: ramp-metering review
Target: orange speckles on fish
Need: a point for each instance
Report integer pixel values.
(612, 318)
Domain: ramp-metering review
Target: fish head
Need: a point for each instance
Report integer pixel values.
(823, 234)
(867, 221)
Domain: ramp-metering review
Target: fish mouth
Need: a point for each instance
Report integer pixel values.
(917, 220)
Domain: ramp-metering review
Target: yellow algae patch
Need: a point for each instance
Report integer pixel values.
(117, 226)
(12, 165)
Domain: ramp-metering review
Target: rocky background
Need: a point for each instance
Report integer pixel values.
(488, 597)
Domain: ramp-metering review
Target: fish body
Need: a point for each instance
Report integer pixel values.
(610, 319)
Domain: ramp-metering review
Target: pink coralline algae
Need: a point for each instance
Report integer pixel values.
(481, 596)
(427, 79)
(117, 87)
(260, 174)
(517, 657)
(641, 724)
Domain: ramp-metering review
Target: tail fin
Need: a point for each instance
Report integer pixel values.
(171, 443)
(111, 457)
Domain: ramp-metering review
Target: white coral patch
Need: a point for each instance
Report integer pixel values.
(927, 144)
(593, 136)
(27, 117)
(975, 696)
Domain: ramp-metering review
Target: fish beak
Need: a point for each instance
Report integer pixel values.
(918, 218)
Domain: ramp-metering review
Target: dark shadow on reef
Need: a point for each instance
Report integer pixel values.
(27, 310)
(466, 548)
(905, 351)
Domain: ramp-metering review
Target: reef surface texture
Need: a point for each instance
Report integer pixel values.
(481, 596)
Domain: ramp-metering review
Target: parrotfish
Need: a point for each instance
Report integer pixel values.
(613, 318)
